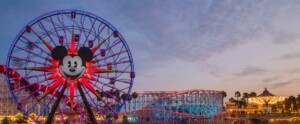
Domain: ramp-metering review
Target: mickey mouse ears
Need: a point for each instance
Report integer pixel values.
(85, 53)
(59, 52)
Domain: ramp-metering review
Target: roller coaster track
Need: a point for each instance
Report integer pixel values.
(23, 82)
(162, 97)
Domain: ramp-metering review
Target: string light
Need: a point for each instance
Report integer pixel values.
(266, 99)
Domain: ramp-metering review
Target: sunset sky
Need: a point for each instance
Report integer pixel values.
(226, 45)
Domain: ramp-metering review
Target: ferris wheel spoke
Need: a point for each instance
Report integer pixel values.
(47, 32)
(93, 102)
(82, 22)
(86, 38)
(30, 85)
(107, 77)
(109, 47)
(72, 45)
(99, 70)
(107, 93)
(54, 26)
(44, 41)
(41, 87)
(30, 51)
(109, 106)
(100, 44)
(34, 44)
(29, 60)
(108, 85)
(28, 76)
(64, 27)
(44, 69)
(50, 89)
(112, 55)
(47, 104)
(113, 63)
(31, 107)
(87, 84)
(99, 32)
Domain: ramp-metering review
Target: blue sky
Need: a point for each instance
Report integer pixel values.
(192, 44)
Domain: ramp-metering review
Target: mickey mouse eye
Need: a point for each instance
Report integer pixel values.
(75, 64)
(69, 64)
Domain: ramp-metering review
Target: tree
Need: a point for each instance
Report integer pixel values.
(298, 102)
(245, 97)
(6, 121)
(291, 100)
(231, 99)
(125, 120)
(124, 96)
(237, 95)
(224, 94)
(67, 121)
(252, 94)
(134, 95)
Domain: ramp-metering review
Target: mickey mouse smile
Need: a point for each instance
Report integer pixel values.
(71, 77)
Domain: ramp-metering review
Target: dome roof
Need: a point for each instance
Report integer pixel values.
(266, 93)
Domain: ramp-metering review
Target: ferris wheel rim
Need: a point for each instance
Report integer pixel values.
(41, 17)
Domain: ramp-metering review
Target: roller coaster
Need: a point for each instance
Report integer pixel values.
(190, 106)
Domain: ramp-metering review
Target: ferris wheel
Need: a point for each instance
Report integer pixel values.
(69, 62)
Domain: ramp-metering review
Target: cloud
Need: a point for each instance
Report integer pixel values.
(282, 84)
(294, 71)
(251, 71)
(267, 80)
(159, 31)
(289, 56)
(197, 31)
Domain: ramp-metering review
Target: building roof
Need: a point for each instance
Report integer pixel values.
(266, 93)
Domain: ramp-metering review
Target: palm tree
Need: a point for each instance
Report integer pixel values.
(237, 95)
(224, 94)
(298, 102)
(252, 94)
(134, 95)
(246, 96)
(291, 100)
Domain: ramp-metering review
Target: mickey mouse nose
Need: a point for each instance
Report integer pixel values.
(72, 69)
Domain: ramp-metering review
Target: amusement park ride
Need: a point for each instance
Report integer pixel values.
(69, 61)
(73, 64)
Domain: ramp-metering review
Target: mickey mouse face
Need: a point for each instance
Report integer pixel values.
(72, 67)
